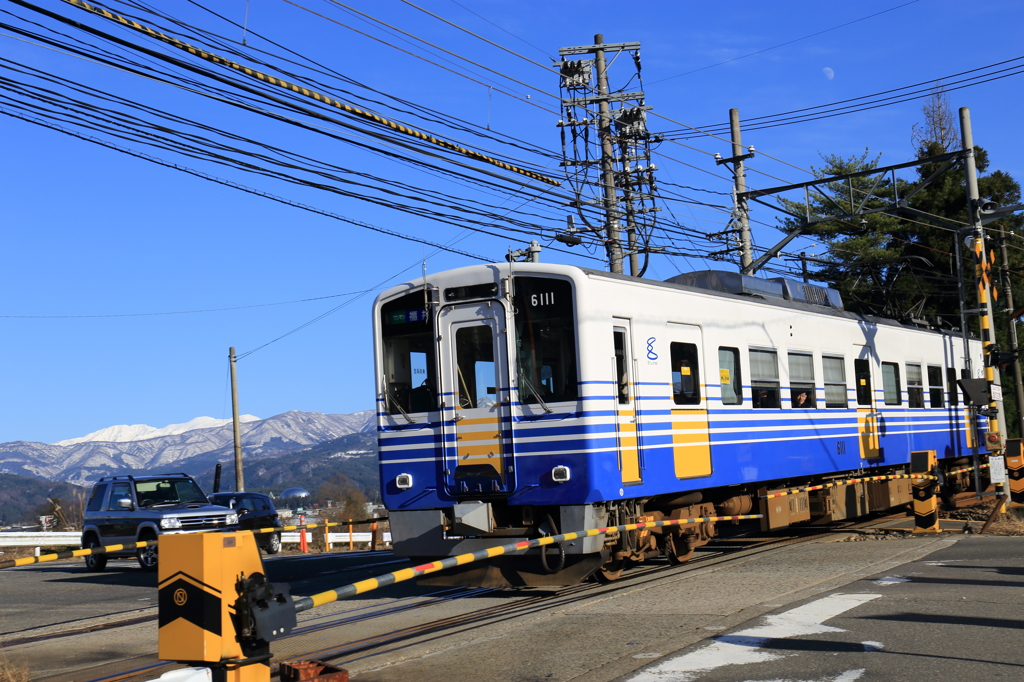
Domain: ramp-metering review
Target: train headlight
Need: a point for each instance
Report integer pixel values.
(403, 481)
(560, 474)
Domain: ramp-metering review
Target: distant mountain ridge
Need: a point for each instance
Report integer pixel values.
(191, 451)
(123, 432)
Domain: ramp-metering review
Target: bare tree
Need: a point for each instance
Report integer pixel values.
(939, 133)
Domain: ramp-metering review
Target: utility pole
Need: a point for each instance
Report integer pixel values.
(604, 131)
(239, 478)
(1008, 294)
(995, 439)
(740, 212)
(740, 179)
(611, 161)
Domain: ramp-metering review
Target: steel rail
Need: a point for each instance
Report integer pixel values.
(306, 603)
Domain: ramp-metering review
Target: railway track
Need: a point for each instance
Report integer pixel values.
(368, 626)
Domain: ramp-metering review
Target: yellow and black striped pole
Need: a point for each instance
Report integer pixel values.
(926, 488)
(1015, 471)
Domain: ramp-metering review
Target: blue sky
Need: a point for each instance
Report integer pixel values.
(96, 243)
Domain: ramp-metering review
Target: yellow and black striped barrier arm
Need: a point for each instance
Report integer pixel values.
(306, 603)
(851, 481)
(306, 92)
(74, 554)
(12, 563)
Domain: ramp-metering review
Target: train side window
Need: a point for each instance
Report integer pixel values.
(729, 376)
(621, 366)
(915, 386)
(891, 383)
(685, 374)
(935, 389)
(801, 381)
(764, 378)
(862, 375)
(835, 380)
(951, 387)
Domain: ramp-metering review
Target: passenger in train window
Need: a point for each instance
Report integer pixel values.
(766, 397)
(802, 399)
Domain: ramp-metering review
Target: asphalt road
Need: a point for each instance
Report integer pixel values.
(955, 614)
(937, 606)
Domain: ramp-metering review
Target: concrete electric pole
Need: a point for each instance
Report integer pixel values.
(239, 478)
(614, 159)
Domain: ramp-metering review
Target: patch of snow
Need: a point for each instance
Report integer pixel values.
(124, 433)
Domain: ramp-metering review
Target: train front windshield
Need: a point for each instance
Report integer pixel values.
(410, 363)
(545, 340)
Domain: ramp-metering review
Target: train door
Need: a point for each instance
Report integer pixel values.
(625, 407)
(474, 383)
(868, 418)
(691, 449)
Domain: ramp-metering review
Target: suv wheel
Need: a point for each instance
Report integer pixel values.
(94, 562)
(147, 555)
(274, 544)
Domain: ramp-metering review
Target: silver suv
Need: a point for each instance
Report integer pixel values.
(125, 509)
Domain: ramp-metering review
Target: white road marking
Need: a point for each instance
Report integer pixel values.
(892, 580)
(872, 646)
(744, 646)
(848, 676)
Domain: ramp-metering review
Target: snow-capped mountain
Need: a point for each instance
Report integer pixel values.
(81, 461)
(123, 433)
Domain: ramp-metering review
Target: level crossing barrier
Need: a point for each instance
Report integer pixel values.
(852, 481)
(217, 610)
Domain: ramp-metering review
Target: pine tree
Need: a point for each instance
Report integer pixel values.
(902, 264)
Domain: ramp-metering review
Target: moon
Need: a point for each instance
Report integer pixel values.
(829, 73)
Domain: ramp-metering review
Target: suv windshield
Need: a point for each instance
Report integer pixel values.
(159, 491)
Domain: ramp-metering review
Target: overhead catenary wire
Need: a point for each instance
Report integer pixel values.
(295, 88)
(489, 42)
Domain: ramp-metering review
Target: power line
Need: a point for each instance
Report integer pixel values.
(501, 29)
(489, 42)
(181, 312)
(297, 89)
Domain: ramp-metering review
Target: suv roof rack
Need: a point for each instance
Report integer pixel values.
(128, 477)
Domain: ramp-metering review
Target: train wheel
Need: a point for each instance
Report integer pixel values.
(676, 559)
(611, 571)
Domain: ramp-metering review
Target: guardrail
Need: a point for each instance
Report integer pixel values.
(12, 563)
(72, 539)
(41, 539)
(293, 538)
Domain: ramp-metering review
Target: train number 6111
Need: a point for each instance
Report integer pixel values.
(542, 299)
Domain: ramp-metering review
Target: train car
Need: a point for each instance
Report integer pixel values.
(516, 400)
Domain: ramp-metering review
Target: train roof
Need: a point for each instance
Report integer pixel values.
(777, 292)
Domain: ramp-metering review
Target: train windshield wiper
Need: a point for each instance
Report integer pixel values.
(533, 391)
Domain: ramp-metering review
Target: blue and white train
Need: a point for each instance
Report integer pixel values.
(520, 399)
